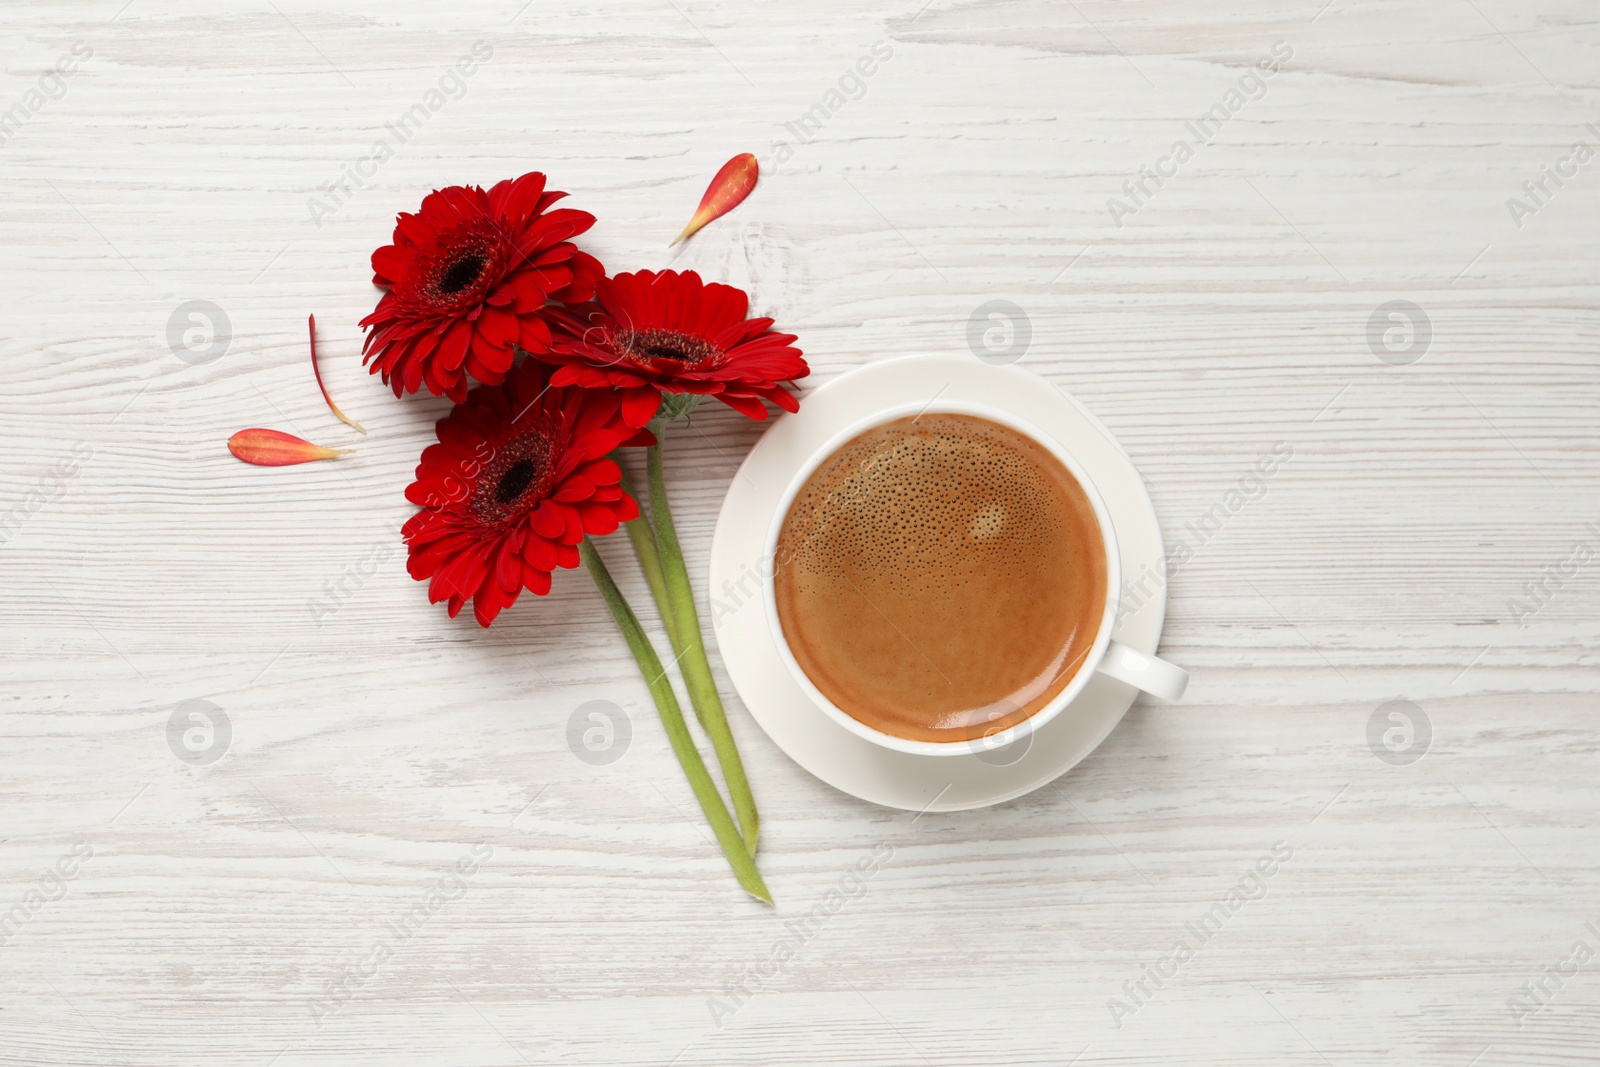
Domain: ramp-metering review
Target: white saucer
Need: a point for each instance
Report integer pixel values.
(799, 727)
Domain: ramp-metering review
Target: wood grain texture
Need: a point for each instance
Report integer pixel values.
(374, 747)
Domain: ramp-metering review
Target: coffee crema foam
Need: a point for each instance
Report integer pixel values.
(941, 577)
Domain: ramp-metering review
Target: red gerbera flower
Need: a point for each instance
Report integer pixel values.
(467, 277)
(518, 477)
(649, 333)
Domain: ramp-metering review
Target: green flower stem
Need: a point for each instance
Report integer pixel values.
(643, 537)
(691, 649)
(705, 790)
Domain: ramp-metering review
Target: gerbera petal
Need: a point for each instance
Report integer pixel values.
(530, 293)
(547, 521)
(536, 581)
(481, 369)
(495, 358)
(588, 377)
(602, 472)
(598, 519)
(499, 327)
(517, 198)
(639, 406)
(459, 439)
(552, 228)
(575, 488)
(722, 306)
(487, 602)
(539, 553)
(409, 375)
(535, 335)
(508, 567)
(436, 378)
(574, 531)
(782, 397)
(389, 263)
(745, 405)
(586, 271)
(453, 349)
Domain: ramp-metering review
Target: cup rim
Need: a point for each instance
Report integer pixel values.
(1092, 658)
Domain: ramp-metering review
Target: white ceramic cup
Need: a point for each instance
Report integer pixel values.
(1138, 669)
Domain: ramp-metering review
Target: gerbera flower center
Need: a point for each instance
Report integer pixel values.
(461, 274)
(513, 482)
(648, 346)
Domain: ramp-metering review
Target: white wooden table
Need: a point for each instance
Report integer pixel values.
(253, 909)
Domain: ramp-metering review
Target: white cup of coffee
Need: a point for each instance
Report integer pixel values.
(948, 533)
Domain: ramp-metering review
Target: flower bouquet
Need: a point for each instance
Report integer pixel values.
(571, 365)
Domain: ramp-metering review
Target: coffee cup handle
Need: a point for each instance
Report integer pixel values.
(1143, 671)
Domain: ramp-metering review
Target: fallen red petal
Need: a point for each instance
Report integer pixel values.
(726, 192)
(317, 370)
(274, 448)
